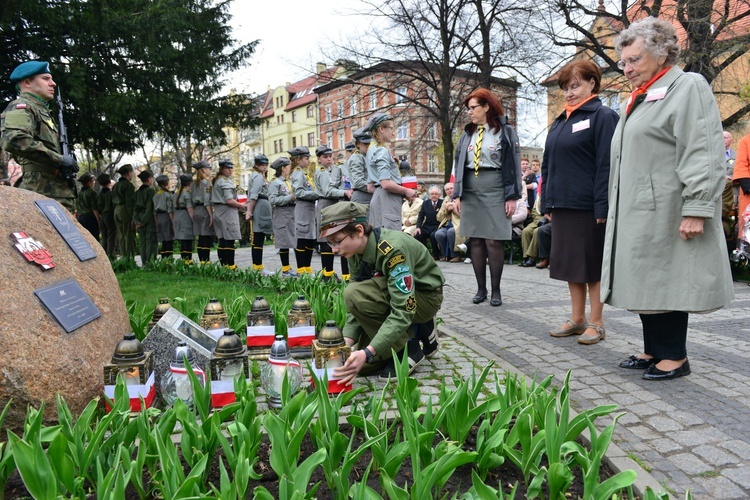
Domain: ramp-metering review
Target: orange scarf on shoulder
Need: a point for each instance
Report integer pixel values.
(569, 109)
(643, 89)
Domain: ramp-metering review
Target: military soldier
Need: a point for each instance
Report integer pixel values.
(395, 285)
(28, 132)
(106, 214)
(143, 215)
(123, 198)
(88, 211)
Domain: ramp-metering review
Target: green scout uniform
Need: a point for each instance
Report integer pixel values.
(30, 135)
(123, 198)
(394, 283)
(143, 215)
(86, 205)
(107, 215)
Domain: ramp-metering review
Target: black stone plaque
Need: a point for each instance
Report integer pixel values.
(69, 304)
(60, 218)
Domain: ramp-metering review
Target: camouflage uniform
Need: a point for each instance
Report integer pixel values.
(107, 214)
(29, 133)
(123, 198)
(86, 205)
(143, 215)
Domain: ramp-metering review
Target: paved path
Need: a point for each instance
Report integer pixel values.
(690, 433)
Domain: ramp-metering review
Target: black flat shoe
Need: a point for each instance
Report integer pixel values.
(636, 363)
(496, 302)
(653, 373)
(478, 299)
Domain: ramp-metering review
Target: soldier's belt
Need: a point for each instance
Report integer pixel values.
(39, 168)
(160, 211)
(261, 197)
(180, 208)
(198, 204)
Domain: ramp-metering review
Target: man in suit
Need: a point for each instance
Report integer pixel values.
(532, 178)
(427, 223)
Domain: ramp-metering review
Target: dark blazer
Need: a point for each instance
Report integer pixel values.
(530, 191)
(427, 218)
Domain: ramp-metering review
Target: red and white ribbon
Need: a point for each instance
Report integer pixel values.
(300, 336)
(146, 391)
(260, 336)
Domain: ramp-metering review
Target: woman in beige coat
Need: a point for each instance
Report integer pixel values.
(409, 213)
(664, 251)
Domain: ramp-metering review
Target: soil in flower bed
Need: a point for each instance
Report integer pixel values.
(504, 476)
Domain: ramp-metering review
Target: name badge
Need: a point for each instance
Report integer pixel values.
(656, 94)
(582, 125)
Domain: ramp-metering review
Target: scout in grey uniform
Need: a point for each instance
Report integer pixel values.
(183, 218)
(385, 207)
(340, 179)
(397, 285)
(203, 215)
(226, 213)
(357, 168)
(305, 230)
(259, 212)
(164, 214)
(281, 196)
(328, 195)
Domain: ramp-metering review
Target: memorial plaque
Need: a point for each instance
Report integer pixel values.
(170, 329)
(62, 222)
(69, 304)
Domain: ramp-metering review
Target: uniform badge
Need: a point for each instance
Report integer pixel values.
(21, 105)
(384, 247)
(33, 250)
(411, 304)
(396, 260)
(399, 270)
(405, 283)
(471, 147)
(494, 156)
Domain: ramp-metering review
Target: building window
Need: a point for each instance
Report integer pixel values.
(281, 145)
(311, 140)
(374, 100)
(275, 146)
(401, 95)
(340, 109)
(330, 139)
(431, 163)
(310, 112)
(432, 132)
(294, 142)
(329, 115)
(342, 138)
(402, 131)
(294, 116)
(280, 120)
(353, 107)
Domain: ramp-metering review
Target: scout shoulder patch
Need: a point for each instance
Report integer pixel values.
(21, 105)
(398, 259)
(399, 270)
(384, 247)
(411, 304)
(405, 283)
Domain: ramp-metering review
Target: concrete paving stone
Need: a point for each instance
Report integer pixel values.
(629, 419)
(663, 424)
(643, 432)
(721, 487)
(739, 448)
(739, 475)
(687, 418)
(664, 445)
(623, 399)
(696, 437)
(643, 410)
(689, 463)
(714, 455)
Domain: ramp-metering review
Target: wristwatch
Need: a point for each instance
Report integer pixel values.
(369, 356)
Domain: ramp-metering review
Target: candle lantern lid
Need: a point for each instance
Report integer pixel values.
(213, 307)
(280, 349)
(162, 307)
(330, 335)
(301, 304)
(182, 352)
(128, 350)
(229, 345)
(260, 305)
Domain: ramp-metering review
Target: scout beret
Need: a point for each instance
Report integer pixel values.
(336, 217)
(186, 179)
(145, 175)
(362, 135)
(226, 164)
(103, 179)
(350, 146)
(85, 178)
(279, 163)
(323, 150)
(375, 120)
(28, 69)
(299, 151)
(162, 179)
(201, 164)
(125, 169)
(261, 159)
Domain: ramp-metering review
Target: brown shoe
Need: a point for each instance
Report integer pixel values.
(543, 264)
(593, 339)
(443, 259)
(456, 259)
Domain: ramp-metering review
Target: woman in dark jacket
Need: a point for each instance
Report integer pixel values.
(488, 183)
(575, 177)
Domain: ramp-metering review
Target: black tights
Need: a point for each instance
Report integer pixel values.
(204, 248)
(326, 259)
(304, 253)
(482, 250)
(167, 248)
(186, 249)
(256, 252)
(226, 252)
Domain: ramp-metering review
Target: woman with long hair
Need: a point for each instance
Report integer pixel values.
(488, 183)
(203, 215)
(281, 196)
(305, 230)
(226, 213)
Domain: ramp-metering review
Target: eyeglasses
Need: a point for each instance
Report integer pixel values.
(472, 108)
(336, 244)
(630, 61)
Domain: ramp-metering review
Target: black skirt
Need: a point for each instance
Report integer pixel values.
(577, 246)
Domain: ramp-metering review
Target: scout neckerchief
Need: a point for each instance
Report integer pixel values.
(643, 89)
(478, 150)
(288, 186)
(569, 109)
(309, 179)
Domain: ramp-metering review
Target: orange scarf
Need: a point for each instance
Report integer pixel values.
(642, 90)
(569, 109)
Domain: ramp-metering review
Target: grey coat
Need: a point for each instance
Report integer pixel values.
(283, 213)
(358, 174)
(304, 211)
(183, 223)
(258, 190)
(667, 163)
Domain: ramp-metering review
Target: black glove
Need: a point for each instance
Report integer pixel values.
(744, 184)
(69, 164)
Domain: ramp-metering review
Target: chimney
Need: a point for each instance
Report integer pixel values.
(320, 67)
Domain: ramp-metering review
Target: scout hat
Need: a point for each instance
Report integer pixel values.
(85, 178)
(226, 164)
(299, 151)
(375, 120)
(162, 179)
(261, 159)
(104, 179)
(125, 169)
(201, 164)
(29, 69)
(323, 150)
(185, 179)
(362, 135)
(145, 175)
(350, 146)
(279, 163)
(336, 217)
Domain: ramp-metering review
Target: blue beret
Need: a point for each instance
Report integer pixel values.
(28, 69)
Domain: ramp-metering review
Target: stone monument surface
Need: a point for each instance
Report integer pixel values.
(38, 358)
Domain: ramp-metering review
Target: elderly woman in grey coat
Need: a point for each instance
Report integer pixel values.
(664, 253)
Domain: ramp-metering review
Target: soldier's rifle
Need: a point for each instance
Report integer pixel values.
(69, 168)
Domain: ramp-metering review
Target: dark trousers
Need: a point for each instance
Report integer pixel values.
(428, 233)
(544, 235)
(665, 335)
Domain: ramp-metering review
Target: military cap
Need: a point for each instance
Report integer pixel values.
(280, 163)
(261, 159)
(125, 169)
(145, 175)
(29, 69)
(103, 179)
(201, 164)
(350, 146)
(405, 165)
(226, 164)
(186, 179)
(375, 120)
(336, 217)
(299, 151)
(362, 135)
(85, 178)
(323, 150)
(162, 179)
